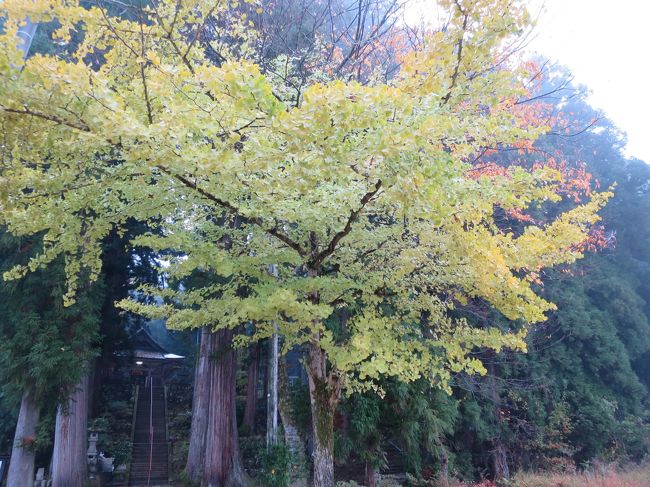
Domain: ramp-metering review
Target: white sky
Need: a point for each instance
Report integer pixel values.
(606, 45)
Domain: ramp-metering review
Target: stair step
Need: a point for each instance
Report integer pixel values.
(149, 458)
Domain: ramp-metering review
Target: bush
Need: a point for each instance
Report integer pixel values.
(275, 466)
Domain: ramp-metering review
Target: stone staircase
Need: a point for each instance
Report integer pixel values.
(149, 460)
(393, 472)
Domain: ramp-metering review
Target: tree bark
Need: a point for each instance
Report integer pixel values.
(499, 452)
(272, 398)
(292, 436)
(371, 477)
(21, 466)
(500, 460)
(324, 394)
(200, 408)
(248, 423)
(69, 465)
(26, 35)
(97, 381)
(222, 462)
(444, 470)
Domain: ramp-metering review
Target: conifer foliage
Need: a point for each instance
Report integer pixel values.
(45, 348)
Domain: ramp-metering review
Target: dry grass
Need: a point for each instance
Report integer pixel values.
(605, 476)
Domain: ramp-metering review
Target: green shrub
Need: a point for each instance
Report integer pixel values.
(275, 466)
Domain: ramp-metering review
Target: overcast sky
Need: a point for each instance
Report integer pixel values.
(606, 45)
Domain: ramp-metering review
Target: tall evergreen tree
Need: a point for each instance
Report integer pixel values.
(44, 346)
(578, 393)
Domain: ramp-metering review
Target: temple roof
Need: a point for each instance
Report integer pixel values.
(145, 342)
(144, 354)
(146, 347)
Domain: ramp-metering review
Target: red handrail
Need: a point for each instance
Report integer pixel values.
(150, 429)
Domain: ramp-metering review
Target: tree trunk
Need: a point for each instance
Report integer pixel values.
(222, 463)
(272, 398)
(248, 423)
(444, 470)
(200, 407)
(500, 461)
(69, 465)
(26, 34)
(97, 381)
(371, 475)
(21, 466)
(292, 437)
(324, 393)
(499, 452)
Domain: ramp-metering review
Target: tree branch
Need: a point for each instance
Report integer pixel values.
(144, 76)
(354, 214)
(459, 55)
(274, 232)
(199, 29)
(52, 118)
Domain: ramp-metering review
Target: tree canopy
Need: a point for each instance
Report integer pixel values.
(371, 199)
(355, 177)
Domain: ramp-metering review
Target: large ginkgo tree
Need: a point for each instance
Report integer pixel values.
(352, 222)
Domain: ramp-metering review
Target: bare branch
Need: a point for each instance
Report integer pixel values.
(459, 55)
(199, 29)
(143, 75)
